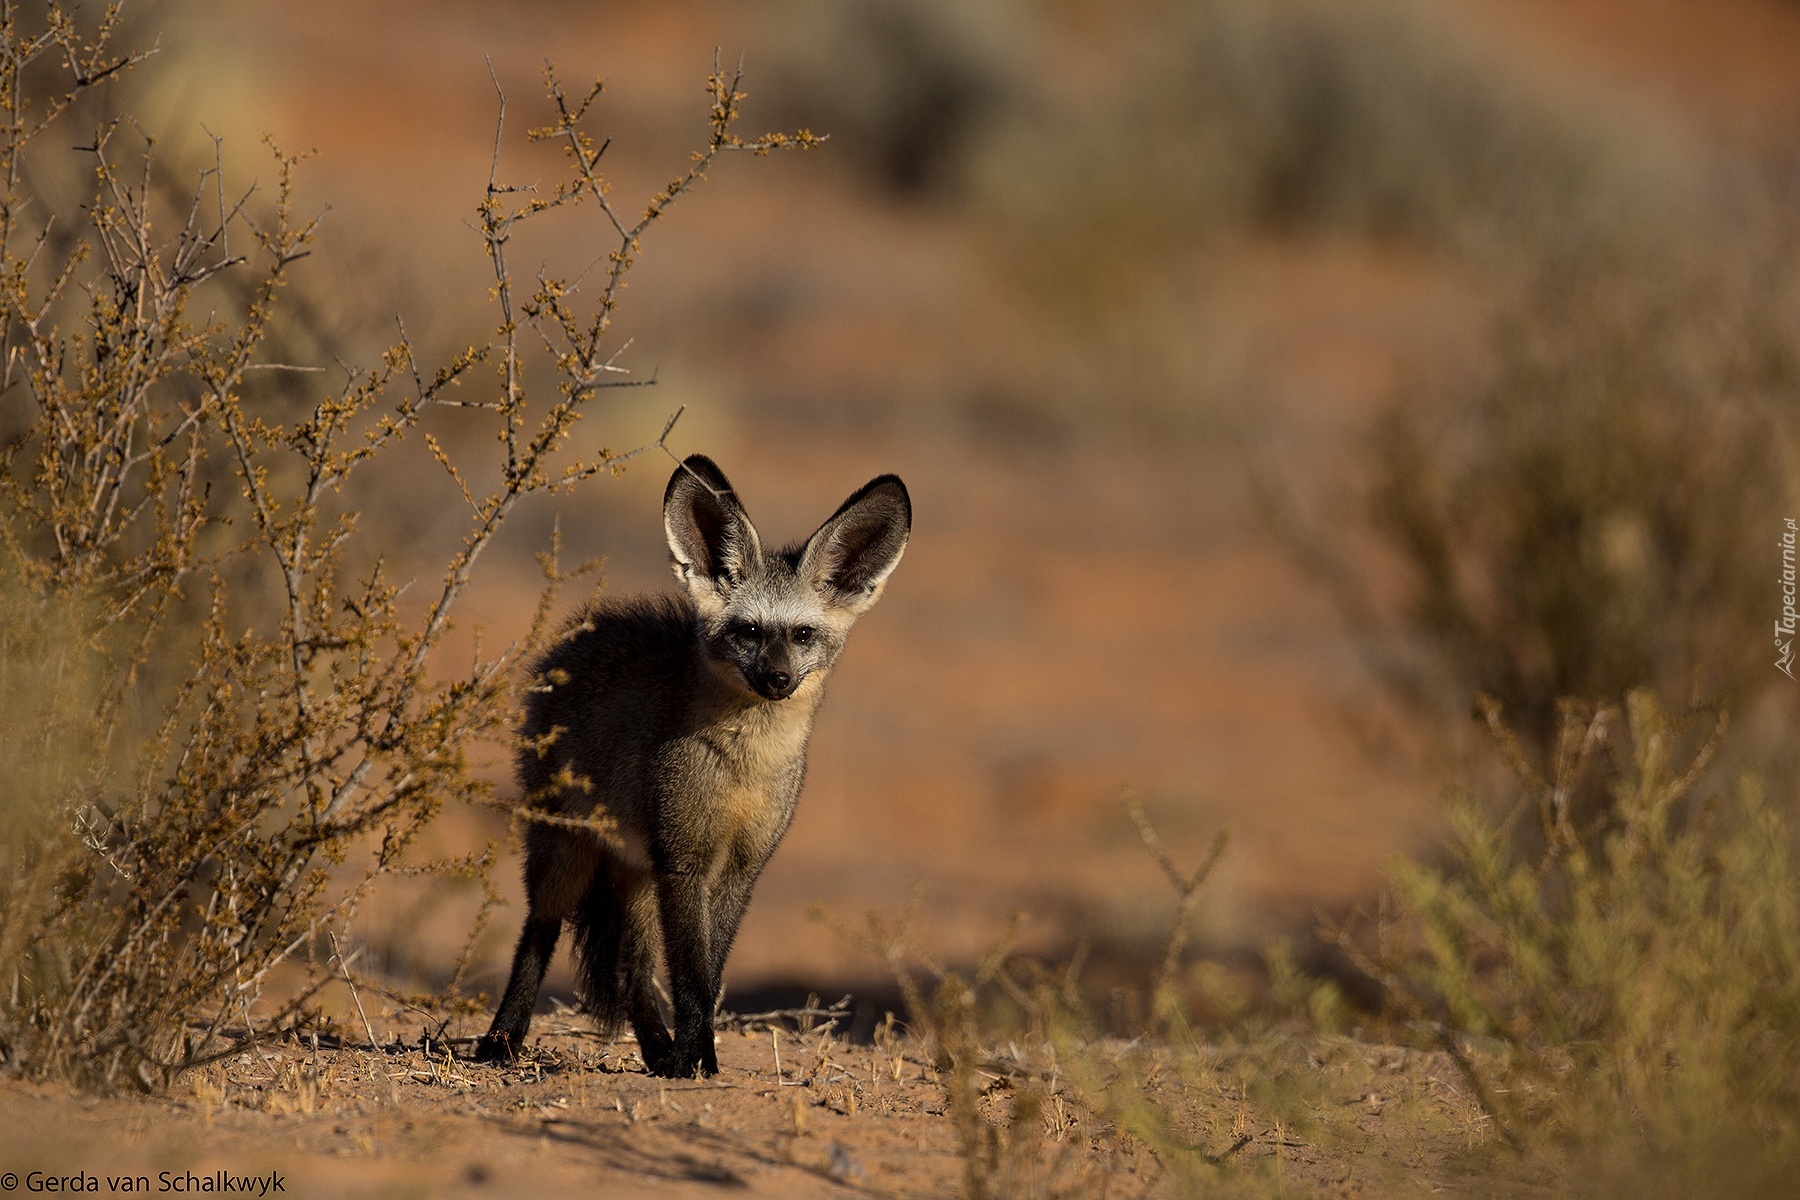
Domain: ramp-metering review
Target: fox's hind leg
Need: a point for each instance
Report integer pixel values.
(558, 869)
(617, 937)
(641, 936)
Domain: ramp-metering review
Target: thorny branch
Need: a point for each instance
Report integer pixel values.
(310, 729)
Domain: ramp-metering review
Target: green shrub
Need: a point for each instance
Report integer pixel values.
(1634, 986)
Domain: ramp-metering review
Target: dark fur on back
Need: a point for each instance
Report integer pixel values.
(610, 646)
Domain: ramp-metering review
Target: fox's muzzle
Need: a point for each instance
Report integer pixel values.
(775, 684)
(775, 674)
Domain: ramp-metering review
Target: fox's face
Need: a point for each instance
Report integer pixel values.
(769, 620)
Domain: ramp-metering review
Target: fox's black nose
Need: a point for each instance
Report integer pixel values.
(775, 685)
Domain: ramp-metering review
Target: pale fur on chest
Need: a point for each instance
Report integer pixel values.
(746, 763)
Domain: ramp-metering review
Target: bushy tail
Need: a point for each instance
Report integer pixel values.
(600, 935)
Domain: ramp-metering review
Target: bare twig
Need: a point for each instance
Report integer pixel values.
(1187, 890)
(343, 966)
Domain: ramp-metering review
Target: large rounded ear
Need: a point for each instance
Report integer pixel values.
(849, 559)
(710, 537)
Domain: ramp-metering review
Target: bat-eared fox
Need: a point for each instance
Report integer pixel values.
(686, 720)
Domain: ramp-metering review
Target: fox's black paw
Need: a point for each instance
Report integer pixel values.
(496, 1047)
(683, 1066)
(689, 1058)
(693, 1068)
(656, 1048)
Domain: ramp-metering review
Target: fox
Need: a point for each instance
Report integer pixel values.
(684, 720)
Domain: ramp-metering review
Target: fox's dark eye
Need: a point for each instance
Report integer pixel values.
(748, 630)
(803, 634)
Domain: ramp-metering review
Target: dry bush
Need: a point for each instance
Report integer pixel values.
(1379, 118)
(912, 87)
(1601, 510)
(1633, 986)
(177, 563)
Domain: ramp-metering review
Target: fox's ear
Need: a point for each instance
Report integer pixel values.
(849, 559)
(710, 537)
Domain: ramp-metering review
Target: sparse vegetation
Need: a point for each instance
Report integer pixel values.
(1615, 1010)
(1120, 207)
(913, 89)
(225, 723)
(1586, 506)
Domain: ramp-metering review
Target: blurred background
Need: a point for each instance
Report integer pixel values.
(1271, 377)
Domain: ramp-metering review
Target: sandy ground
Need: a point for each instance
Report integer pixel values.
(578, 1117)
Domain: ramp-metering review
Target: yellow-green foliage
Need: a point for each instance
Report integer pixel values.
(219, 734)
(1638, 977)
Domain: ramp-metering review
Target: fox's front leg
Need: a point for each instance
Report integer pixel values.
(687, 924)
(725, 912)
